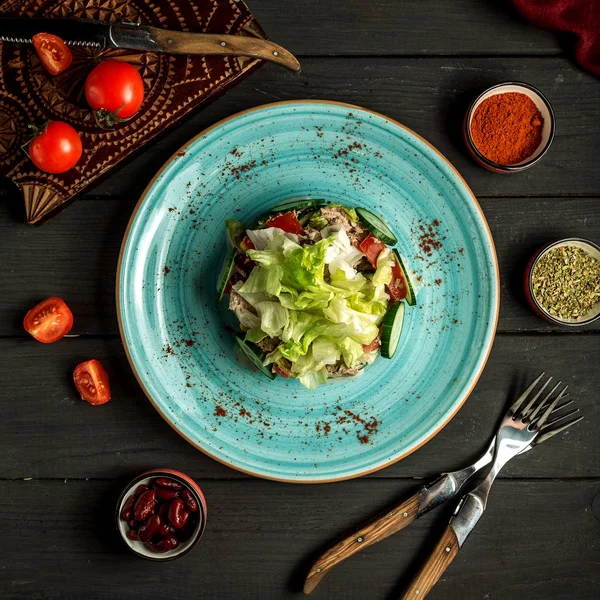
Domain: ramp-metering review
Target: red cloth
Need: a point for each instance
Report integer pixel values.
(581, 17)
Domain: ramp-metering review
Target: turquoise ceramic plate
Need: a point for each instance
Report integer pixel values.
(181, 343)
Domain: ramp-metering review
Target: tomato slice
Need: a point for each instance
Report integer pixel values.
(372, 346)
(53, 52)
(285, 373)
(372, 247)
(287, 222)
(247, 244)
(397, 288)
(91, 381)
(49, 320)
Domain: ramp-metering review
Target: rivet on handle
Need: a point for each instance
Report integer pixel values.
(359, 540)
(405, 514)
(275, 53)
(223, 44)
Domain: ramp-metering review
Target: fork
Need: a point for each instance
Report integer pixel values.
(518, 429)
(430, 496)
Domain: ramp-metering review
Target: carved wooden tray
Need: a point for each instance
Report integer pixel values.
(175, 86)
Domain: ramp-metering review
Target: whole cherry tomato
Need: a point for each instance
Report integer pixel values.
(115, 90)
(56, 148)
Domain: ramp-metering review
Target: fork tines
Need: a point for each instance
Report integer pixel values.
(558, 423)
(537, 412)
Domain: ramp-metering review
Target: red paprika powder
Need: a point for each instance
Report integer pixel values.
(507, 128)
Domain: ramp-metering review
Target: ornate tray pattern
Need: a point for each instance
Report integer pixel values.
(175, 86)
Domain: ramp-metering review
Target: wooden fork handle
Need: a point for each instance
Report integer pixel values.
(439, 560)
(384, 526)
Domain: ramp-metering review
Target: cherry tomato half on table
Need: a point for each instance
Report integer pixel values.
(56, 148)
(49, 321)
(115, 90)
(91, 381)
(54, 54)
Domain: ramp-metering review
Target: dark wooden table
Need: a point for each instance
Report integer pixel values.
(62, 463)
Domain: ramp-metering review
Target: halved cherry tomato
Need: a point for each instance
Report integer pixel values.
(116, 88)
(247, 244)
(372, 247)
(49, 320)
(287, 222)
(56, 148)
(397, 287)
(285, 373)
(54, 54)
(91, 381)
(372, 346)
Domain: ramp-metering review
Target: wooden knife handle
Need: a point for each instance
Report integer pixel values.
(439, 560)
(384, 526)
(181, 42)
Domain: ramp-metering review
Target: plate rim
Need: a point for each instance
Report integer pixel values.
(173, 157)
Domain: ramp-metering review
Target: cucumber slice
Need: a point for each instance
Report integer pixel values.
(296, 204)
(254, 354)
(235, 232)
(225, 274)
(391, 329)
(377, 226)
(411, 296)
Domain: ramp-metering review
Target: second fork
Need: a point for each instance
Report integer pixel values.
(518, 429)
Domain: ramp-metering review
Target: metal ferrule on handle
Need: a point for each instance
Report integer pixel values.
(467, 514)
(436, 493)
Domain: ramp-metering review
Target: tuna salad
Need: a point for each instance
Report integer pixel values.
(317, 289)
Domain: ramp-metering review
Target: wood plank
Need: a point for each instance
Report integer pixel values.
(429, 95)
(380, 27)
(75, 257)
(537, 540)
(520, 226)
(46, 431)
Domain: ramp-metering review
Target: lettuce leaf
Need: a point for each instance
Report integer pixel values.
(314, 300)
(263, 280)
(255, 335)
(351, 351)
(325, 351)
(314, 379)
(363, 327)
(271, 238)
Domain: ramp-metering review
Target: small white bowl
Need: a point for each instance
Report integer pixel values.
(542, 105)
(140, 548)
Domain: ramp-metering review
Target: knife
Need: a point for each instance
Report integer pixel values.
(135, 36)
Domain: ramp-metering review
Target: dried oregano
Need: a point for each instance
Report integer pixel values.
(566, 282)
